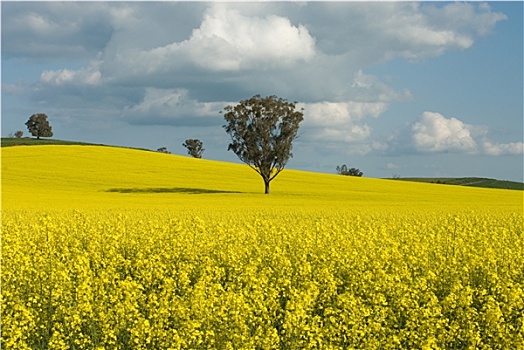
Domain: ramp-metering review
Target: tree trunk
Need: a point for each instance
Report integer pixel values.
(266, 183)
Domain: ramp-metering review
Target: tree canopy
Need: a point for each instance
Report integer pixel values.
(262, 131)
(195, 147)
(344, 170)
(39, 126)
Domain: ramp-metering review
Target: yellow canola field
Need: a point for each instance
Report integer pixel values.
(109, 248)
(95, 177)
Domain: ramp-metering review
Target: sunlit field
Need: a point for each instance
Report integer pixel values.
(110, 248)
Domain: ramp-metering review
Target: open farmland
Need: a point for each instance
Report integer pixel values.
(109, 248)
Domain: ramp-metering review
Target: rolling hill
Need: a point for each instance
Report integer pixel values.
(470, 181)
(466, 181)
(77, 176)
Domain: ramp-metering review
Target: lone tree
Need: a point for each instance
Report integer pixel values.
(195, 147)
(343, 170)
(39, 126)
(262, 131)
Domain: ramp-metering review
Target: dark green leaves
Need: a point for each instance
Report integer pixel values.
(39, 126)
(262, 131)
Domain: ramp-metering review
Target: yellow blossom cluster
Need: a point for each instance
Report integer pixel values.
(204, 279)
(110, 248)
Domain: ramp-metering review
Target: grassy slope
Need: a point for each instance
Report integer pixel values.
(27, 141)
(31, 141)
(109, 177)
(471, 181)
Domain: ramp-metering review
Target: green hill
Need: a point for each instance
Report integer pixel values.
(470, 181)
(29, 141)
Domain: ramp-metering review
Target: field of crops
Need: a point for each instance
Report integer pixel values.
(106, 248)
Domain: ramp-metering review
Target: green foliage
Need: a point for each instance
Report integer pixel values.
(469, 181)
(163, 150)
(343, 170)
(39, 126)
(195, 147)
(262, 131)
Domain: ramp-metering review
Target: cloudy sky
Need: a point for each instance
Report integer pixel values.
(398, 88)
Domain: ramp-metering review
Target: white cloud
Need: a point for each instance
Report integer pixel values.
(417, 31)
(340, 113)
(314, 52)
(226, 40)
(366, 87)
(363, 149)
(38, 23)
(497, 149)
(347, 134)
(229, 40)
(285, 49)
(86, 76)
(435, 133)
(172, 106)
(464, 16)
(342, 126)
(372, 32)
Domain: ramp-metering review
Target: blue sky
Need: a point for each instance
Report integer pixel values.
(428, 89)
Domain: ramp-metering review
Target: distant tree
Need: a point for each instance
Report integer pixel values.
(262, 131)
(163, 150)
(19, 134)
(39, 126)
(343, 170)
(195, 147)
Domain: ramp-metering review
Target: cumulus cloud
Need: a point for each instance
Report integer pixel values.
(211, 49)
(373, 32)
(464, 16)
(85, 76)
(435, 133)
(229, 40)
(138, 40)
(348, 134)
(342, 125)
(409, 36)
(340, 113)
(497, 149)
(184, 59)
(344, 121)
(417, 31)
(172, 107)
(225, 40)
(291, 31)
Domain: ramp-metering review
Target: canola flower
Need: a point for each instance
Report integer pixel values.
(304, 269)
(242, 281)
